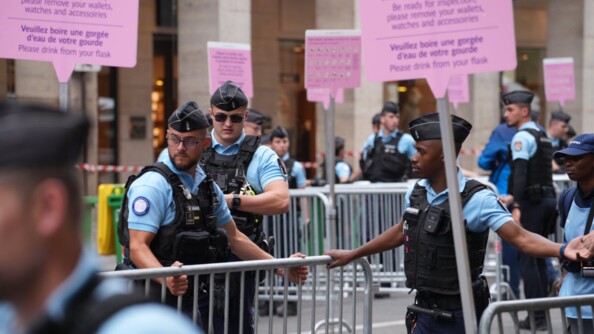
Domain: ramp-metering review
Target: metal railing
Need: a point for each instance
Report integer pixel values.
(332, 284)
(512, 308)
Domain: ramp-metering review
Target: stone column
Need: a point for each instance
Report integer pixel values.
(198, 23)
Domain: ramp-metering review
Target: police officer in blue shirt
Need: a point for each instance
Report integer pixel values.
(251, 177)
(279, 142)
(531, 192)
(558, 127)
(155, 230)
(430, 261)
(386, 154)
(254, 122)
(579, 164)
(342, 169)
(494, 158)
(48, 282)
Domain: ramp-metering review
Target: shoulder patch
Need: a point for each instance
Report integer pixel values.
(518, 145)
(141, 206)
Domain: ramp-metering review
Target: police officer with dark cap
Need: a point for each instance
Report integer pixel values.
(252, 178)
(254, 122)
(386, 154)
(426, 233)
(531, 196)
(558, 127)
(153, 225)
(48, 280)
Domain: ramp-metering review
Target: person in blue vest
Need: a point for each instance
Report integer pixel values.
(386, 154)
(254, 182)
(575, 205)
(49, 281)
(425, 231)
(531, 196)
(494, 158)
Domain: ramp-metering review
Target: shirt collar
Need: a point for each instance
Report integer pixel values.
(235, 146)
(191, 182)
(392, 134)
(528, 125)
(461, 184)
(286, 156)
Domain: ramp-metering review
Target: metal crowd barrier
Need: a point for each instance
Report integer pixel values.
(332, 285)
(512, 308)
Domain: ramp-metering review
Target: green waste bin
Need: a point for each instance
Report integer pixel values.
(114, 201)
(90, 202)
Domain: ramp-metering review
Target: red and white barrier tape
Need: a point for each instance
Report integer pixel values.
(109, 168)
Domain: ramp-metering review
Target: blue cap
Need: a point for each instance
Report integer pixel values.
(582, 144)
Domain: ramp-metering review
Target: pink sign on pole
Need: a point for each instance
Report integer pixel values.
(230, 61)
(332, 59)
(323, 95)
(433, 39)
(559, 79)
(458, 89)
(70, 32)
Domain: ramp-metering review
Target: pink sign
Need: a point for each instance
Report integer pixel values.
(323, 95)
(559, 79)
(230, 61)
(332, 59)
(458, 89)
(70, 32)
(433, 39)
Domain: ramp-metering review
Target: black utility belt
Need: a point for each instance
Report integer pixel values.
(437, 301)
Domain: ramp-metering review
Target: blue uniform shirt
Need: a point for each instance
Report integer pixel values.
(298, 171)
(163, 155)
(574, 284)
(151, 204)
(264, 168)
(523, 145)
(406, 145)
(481, 212)
(143, 318)
(494, 156)
(342, 169)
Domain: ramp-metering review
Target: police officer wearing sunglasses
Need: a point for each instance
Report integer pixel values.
(236, 160)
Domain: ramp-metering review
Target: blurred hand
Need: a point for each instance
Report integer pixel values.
(576, 250)
(588, 241)
(516, 215)
(297, 275)
(177, 285)
(340, 258)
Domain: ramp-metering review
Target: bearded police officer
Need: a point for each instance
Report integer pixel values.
(250, 175)
(386, 154)
(48, 281)
(426, 233)
(531, 189)
(174, 214)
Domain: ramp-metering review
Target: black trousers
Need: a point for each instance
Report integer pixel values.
(536, 218)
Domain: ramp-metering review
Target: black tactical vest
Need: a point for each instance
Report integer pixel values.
(384, 162)
(193, 237)
(291, 180)
(230, 174)
(540, 168)
(429, 253)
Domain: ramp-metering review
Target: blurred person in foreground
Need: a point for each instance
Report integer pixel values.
(48, 281)
(426, 233)
(577, 212)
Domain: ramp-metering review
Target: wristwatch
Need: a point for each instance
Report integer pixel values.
(236, 202)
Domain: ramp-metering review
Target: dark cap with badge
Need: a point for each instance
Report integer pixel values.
(517, 97)
(390, 107)
(40, 136)
(426, 127)
(256, 117)
(228, 97)
(582, 144)
(188, 117)
(559, 115)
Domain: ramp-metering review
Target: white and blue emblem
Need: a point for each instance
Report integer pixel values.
(141, 206)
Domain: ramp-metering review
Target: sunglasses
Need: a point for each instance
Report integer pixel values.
(174, 141)
(223, 118)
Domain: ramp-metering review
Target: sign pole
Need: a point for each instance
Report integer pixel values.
(458, 228)
(64, 96)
